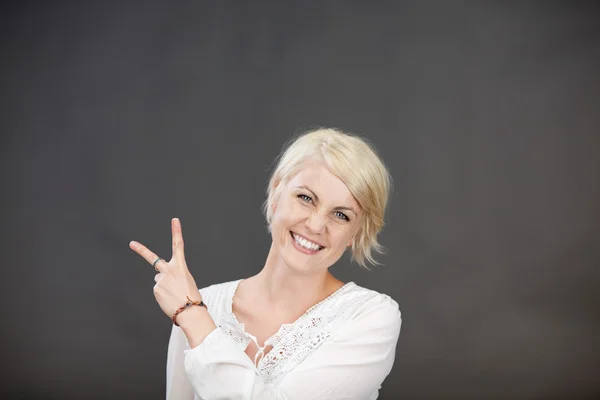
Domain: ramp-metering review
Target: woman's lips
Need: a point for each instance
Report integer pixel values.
(303, 249)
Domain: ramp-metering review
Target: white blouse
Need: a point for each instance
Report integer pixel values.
(341, 348)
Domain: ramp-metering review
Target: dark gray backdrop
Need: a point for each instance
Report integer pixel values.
(118, 117)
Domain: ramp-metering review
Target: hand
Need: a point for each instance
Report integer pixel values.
(174, 281)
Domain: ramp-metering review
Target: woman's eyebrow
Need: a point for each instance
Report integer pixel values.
(317, 199)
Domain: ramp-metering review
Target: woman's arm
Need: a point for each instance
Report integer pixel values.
(351, 365)
(178, 386)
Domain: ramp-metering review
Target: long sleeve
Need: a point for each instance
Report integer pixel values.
(352, 364)
(178, 386)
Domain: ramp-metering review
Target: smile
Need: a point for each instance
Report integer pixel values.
(306, 244)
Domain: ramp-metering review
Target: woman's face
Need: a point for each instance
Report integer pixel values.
(315, 218)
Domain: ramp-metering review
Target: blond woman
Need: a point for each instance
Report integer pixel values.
(293, 330)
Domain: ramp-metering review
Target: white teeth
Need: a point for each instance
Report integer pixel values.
(305, 243)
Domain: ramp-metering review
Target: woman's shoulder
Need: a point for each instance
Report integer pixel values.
(369, 297)
(219, 293)
(369, 303)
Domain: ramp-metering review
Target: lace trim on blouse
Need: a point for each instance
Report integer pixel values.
(292, 343)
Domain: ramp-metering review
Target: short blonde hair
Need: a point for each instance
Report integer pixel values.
(353, 160)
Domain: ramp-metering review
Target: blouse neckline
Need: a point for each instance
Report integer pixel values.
(269, 340)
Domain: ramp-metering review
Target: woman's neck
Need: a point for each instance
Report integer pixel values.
(287, 292)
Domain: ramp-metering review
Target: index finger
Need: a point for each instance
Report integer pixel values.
(178, 252)
(145, 252)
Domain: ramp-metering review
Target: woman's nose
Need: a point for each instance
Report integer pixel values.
(316, 223)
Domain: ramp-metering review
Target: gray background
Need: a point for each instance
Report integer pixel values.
(118, 117)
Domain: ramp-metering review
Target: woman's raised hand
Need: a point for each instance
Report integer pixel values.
(173, 281)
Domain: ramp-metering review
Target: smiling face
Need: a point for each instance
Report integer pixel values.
(315, 218)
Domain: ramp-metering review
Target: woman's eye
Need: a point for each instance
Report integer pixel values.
(306, 198)
(342, 216)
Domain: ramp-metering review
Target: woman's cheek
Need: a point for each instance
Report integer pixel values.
(296, 210)
(286, 215)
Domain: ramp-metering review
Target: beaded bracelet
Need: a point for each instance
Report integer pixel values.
(186, 306)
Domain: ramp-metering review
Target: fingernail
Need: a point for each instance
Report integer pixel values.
(133, 244)
(176, 220)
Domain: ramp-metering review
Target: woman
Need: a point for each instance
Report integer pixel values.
(292, 331)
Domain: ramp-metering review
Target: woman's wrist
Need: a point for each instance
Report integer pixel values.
(196, 324)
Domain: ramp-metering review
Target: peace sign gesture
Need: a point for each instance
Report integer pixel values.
(174, 281)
